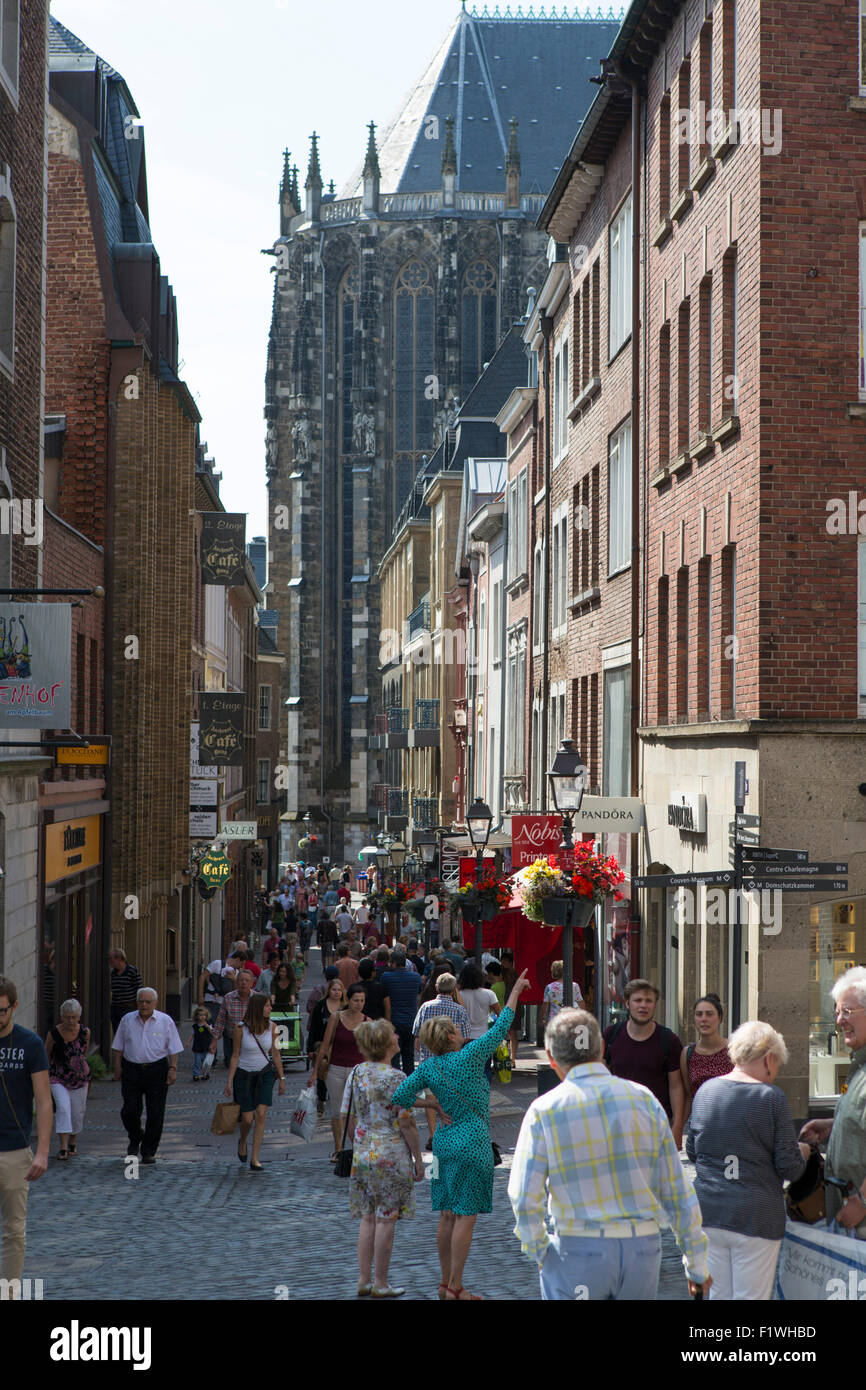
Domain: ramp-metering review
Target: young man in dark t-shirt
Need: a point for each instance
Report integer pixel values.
(403, 987)
(376, 1001)
(23, 1075)
(644, 1051)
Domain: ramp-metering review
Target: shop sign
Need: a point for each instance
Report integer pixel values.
(215, 869)
(71, 846)
(202, 824)
(534, 837)
(203, 793)
(221, 732)
(94, 756)
(239, 830)
(266, 823)
(196, 768)
(35, 658)
(688, 812)
(223, 547)
(609, 815)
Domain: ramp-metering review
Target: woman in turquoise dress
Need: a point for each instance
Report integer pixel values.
(462, 1185)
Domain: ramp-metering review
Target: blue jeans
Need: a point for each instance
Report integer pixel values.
(586, 1267)
(198, 1062)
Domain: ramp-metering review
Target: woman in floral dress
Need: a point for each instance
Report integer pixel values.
(387, 1155)
(462, 1185)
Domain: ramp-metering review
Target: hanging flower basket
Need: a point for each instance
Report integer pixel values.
(489, 911)
(546, 891)
(564, 912)
(470, 911)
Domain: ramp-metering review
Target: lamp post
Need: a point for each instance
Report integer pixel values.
(426, 846)
(479, 819)
(568, 778)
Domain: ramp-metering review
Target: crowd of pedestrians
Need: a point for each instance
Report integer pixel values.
(394, 1028)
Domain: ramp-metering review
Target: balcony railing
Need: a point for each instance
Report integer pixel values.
(398, 719)
(426, 714)
(425, 812)
(342, 210)
(419, 619)
(398, 802)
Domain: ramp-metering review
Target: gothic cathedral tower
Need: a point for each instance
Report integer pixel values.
(389, 298)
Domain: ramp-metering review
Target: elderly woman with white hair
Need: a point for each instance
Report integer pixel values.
(68, 1074)
(845, 1134)
(742, 1143)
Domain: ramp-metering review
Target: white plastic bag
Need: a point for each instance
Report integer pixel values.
(304, 1116)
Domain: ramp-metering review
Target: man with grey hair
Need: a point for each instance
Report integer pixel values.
(146, 1047)
(597, 1156)
(845, 1134)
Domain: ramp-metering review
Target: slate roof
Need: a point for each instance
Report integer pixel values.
(124, 219)
(507, 368)
(488, 68)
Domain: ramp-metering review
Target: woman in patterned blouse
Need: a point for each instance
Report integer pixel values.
(707, 1057)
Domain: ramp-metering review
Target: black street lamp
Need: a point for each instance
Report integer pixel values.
(398, 852)
(426, 845)
(568, 778)
(479, 819)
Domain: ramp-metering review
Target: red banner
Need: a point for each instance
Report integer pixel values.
(534, 837)
(535, 947)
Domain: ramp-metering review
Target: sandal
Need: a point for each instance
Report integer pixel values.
(333, 1158)
(72, 1149)
(470, 1297)
(441, 1294)
(63, 1153)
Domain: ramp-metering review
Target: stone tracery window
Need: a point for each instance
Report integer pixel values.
(478, 321)
(348, 315)
(413, 359)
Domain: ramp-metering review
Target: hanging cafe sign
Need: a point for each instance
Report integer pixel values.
(221, 730)
(215, 869)
(223, 547)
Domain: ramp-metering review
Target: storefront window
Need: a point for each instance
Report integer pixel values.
(837, 941)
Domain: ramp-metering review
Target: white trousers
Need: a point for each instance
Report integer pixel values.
(742, 1267)
(70, 1108)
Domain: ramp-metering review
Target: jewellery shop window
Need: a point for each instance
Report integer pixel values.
(837, 941)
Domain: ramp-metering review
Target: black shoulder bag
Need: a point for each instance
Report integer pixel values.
(343, 1164)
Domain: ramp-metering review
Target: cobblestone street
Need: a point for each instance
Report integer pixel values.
(199, 1225)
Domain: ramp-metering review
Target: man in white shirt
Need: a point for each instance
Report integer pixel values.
(344, 922)
(146, 1047)
(207, 995)
(362, 914)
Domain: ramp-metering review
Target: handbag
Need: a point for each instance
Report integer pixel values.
(806, 1199)
(497, 1154)
(225, 1117)
(343, 1165)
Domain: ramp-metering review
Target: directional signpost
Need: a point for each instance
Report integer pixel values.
(721, 876)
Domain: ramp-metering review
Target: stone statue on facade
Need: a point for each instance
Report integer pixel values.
(271, 449)
(444, 420)
(364, 433)
(301, 439)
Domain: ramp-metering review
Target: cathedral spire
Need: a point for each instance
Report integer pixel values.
(372, 175)
(314, 173)
(296, 188)
(371, 163)
(313, 184)
(289, 205)
(512, 168)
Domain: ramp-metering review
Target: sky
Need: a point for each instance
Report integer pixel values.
(219, 103)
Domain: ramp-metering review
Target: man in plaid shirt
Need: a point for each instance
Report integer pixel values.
(232, 1010)
(444, 1003)
(596, 1155)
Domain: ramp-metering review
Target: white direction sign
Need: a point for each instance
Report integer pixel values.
(239, 830)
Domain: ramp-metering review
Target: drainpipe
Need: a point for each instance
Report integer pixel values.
(636, 436)
(322, 553)
(547, 330)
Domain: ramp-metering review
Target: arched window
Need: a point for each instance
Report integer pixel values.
(478, 318)
(413, 359)
(8, 236)
(348, 317)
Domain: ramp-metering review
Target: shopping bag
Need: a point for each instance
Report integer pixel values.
(225, 1117)
(502, 1058)
(207, 1063)
(304, 1116)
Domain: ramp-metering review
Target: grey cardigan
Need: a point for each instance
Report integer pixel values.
(742, 1142)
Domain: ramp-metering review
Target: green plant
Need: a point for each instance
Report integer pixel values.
(98, 1066)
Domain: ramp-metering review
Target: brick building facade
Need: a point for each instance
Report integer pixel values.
(125, 482)
(22, 263)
